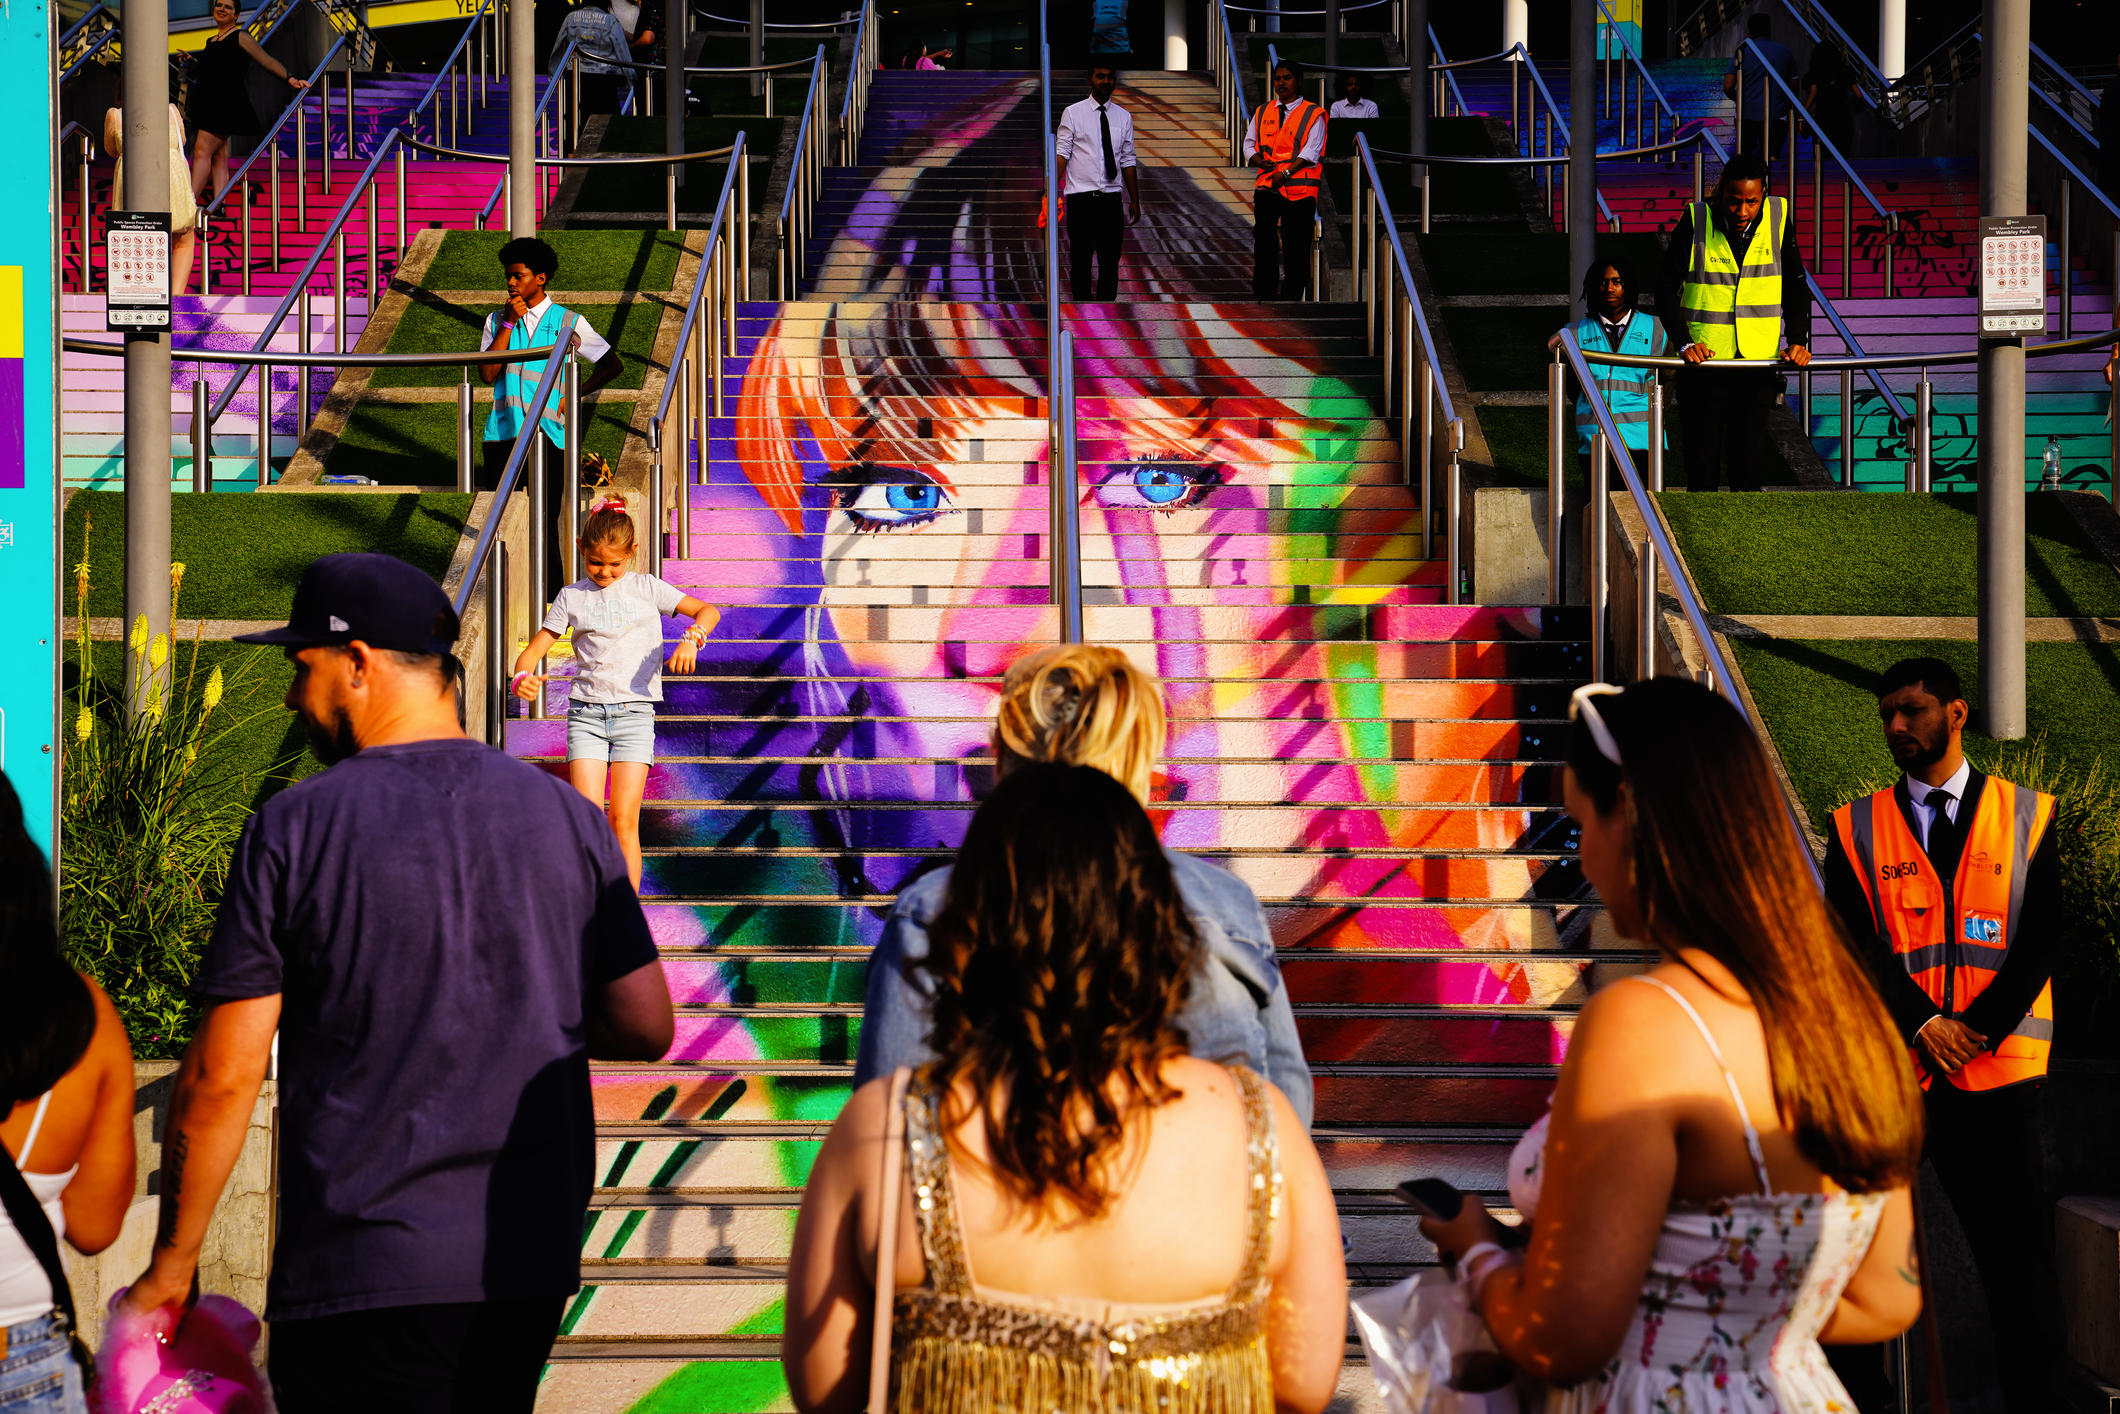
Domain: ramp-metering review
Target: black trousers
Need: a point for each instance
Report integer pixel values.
(1983, 1147)
(467, 1357)
(1280, 244)
(1096, 226)
(549, 462)
(1725, 416)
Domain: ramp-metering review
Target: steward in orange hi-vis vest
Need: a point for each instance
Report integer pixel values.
(1282, 139)
(1953, 937)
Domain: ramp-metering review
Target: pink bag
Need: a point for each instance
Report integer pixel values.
(153, 1364)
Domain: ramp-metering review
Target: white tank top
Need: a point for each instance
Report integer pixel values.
(25, 1291)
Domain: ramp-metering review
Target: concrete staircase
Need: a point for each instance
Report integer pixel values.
(1380, 767)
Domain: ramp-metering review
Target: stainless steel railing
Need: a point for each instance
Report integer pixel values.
(854, 107)
(695, 383)
(1397, 326)
(798, 205)
(1063, 536)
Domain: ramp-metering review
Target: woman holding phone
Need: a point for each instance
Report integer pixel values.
(1723, 1180)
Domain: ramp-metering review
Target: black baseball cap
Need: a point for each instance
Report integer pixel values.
(378, 599)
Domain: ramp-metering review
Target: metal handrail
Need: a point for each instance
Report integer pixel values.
(1871, 82)
(1385, 156)
(2066, 116)
(1817, 136)
(101, 41)
(1344, 9)
(805, 177)
(602, 159)
(1065, 470)
(251, 358)
(300, 285)
(532, 429)
(854, 106)
(2065, 76)
(2077, 173)
(1236, 113)
(1065, 548)
(772, 24)
(1449, 68)
(1407, 344)
(1560, 130)
(448, 65)
(699, 373)
(99, 8)
(717, 69)
(2077, 344)
(537, 129)
(1615, 30)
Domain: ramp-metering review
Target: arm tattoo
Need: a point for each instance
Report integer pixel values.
(1910, 1271)
(172, 1189)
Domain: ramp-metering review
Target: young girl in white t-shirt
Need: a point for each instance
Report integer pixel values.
(617, 621)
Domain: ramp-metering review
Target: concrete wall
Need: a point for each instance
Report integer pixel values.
(238, 1250)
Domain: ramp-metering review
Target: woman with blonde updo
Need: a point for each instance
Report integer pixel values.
(1084, 705)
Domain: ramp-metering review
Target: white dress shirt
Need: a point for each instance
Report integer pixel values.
(1353, 108)
(1080, 144)
(1924, 813)
(588, 344)
(1312, 146)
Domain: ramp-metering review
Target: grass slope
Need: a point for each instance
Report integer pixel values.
(1818, 699)
(1516, 438)
(432, 324)
(1883, 553)
(243, 554)
(415, 445)
(588, 260)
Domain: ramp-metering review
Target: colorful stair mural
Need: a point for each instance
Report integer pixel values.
(1377, 765)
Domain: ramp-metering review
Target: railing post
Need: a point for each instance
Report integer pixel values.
(1700, 189)
(338, 293)
(540, 527)
(1645, 594)
(399, 156)
(658, 515)
(1818, 197)
(1924, 419)
(274, 213)
(1891, 249)
(1556, 477)
(201, 432)
(323, 125)
(1599, 585)
(1847, 427)
(264, 425)
(686, 425)
(302, 343)
(1454, 509)
(571, 406)
(670, 196)
(1847, 234)
(301, 169)
(1656, 425)
(465, 447)
(2068, 323)
(244, 198)
(497, 693)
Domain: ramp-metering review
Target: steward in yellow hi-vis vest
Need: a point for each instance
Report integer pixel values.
(1285, 142)
(1734, 306)
(1952, 936)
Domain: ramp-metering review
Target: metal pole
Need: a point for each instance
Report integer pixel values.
(87, 283)
(302, 344)
(1700, 178)
(1847, 427)
(522, 159)
(1600, 510)
(323, 125)
(497, 645)
(1418, 57)
(571, 404)
(399, 157)
(1925, 419)
(675, 45)
(375, 254)
(760, 82)
(1656, 426)
(687, 426)
(264, 425)
(146, 119)
(1066, 530)
(1453, 508)
(201, 433)
(1847, 233)
(2006, 76)
(2068, 323)
(1645, 603)
(1818, 199)
(1332, 34)
(243, 197)
(670, 195)
(338, 294)
(301, 167)
(273, 217)
(658, 515)
(540, 527)
(1556, 478)
(465, 448)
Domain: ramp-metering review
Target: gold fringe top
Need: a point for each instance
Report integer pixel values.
(959, 1349)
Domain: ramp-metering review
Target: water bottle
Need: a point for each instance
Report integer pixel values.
(2052, 461)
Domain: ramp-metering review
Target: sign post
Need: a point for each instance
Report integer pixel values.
(2012, 276)
(136, 259)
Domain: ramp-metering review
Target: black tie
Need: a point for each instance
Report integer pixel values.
(1939, 803)
(1111, 160)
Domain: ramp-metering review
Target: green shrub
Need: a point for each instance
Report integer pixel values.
(150, 816)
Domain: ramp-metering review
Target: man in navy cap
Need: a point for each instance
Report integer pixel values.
(442, 936)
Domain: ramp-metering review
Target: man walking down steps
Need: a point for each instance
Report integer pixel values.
(1095, 150)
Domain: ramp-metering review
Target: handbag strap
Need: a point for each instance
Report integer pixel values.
(887, 1241)
(30, 1220)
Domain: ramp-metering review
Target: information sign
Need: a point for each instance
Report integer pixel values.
(2012, 276)
(136, 255)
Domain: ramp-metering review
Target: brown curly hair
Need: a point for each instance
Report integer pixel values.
(1058, 964)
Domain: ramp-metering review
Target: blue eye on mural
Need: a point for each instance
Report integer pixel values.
(1156, 486)
(908, 498)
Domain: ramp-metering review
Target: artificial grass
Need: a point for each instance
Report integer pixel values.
(432, 324)
(588, 260)
(1883, 553)
(1523, 263)
(414, 444)
(243, 554)
(1516, 440)
(1818, 699)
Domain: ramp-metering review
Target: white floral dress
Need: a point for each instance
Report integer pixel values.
(1735, 1296)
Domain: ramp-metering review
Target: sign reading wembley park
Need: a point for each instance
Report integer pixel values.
(136, 258)
(2012, 276)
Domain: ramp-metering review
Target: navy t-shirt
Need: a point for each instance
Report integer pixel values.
(433, 916)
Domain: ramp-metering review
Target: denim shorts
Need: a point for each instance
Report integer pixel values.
(611, 731)
(39, 1375)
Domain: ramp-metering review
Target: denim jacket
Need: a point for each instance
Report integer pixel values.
(1238, 1009)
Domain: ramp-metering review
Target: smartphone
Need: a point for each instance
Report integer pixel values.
(1432, 1198)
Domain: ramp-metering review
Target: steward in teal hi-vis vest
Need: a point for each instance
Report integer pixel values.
(1735, 312)
(1625, 390)
(517, 385)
